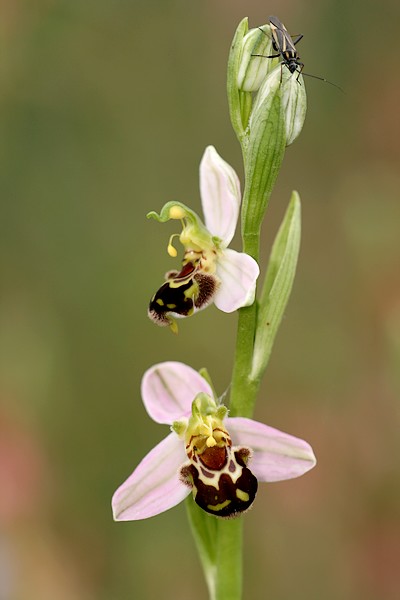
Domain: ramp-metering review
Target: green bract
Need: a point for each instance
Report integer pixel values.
(277, 285)
(263, 155)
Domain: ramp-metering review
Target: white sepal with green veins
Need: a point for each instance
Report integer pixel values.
(255, 63)
(293, 99)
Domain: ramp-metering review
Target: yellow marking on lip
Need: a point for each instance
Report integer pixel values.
(218, 507)
(171, 305)
(244, 496)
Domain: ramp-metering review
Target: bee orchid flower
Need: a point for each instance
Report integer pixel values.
(210, 272)
(219, 459)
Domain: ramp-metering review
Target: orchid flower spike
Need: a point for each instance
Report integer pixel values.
(220, 459)
(210, 272)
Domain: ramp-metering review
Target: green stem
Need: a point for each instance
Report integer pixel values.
(244, 391)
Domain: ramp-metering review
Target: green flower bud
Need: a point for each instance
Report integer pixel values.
(239, 102)
(293, 99)
(294, 102)
(254, 62)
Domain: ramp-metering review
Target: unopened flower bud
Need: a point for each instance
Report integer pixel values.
(255, 61)
(293, 100)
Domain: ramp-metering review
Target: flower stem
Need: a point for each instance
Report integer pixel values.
(244, 390)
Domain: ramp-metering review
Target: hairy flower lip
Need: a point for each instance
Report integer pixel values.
(168, 390)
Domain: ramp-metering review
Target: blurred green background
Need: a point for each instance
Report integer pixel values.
(106, 108)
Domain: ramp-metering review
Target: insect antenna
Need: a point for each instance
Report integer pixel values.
(323, 79)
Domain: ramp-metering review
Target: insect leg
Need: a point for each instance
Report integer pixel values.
(282, 63)
(301, 65)
(264, 56)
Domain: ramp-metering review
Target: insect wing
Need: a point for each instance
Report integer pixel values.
(278, 41)
(282, 40)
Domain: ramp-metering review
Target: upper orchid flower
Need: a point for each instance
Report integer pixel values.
(198, 455)
(210, 270)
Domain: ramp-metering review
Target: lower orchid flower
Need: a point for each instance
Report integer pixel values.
(220, 459)
(211, 272)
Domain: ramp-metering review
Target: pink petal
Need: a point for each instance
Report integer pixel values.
(277, 455)
(154, 485)
(238, 273)
(168, 390)
(220, 195)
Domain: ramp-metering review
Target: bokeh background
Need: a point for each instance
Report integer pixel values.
(105, 110)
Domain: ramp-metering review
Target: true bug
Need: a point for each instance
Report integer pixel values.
(285, 47)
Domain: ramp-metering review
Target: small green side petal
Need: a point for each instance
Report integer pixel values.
(277, 285)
